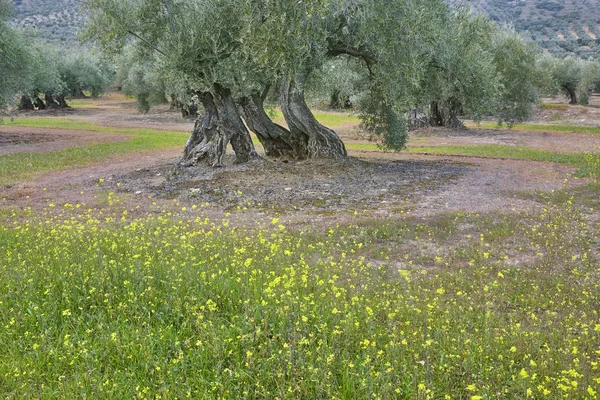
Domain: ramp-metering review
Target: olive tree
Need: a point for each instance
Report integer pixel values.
(228, 54)
(15, 60)
(574, 77)
(522, 80)
(140, 78)
(55, 73)
(461, 76)
(83, 71)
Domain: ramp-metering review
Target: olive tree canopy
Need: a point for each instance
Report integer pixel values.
(229, 53)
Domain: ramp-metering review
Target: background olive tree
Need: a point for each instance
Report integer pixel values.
(15, 60)
(573, 77)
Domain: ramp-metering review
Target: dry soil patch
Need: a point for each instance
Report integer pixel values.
(16, 139)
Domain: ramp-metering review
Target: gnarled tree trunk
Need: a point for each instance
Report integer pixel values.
(233, 126)
(219, 125)
(25, 103)
(446, 114)
(435, 115)
(338, 102)
(50, 102)
(572, 95)
(189, 110)
(39, 103)
(454, 109)
(418, 119)
(276, 140)
(62, 103)
(206, 142)
(322, 142)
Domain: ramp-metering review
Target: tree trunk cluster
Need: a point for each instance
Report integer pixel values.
(446, 115)
(35, 102)
(228, 120)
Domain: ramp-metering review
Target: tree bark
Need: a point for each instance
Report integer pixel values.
(446, 114)
(219, 125)
(337, 102)
(50, 102)
(189, 110)
(25, 103)
(62, 103)
(572, 95)
(39, 103)
(275, 139)
(436, 118)
(454, 110)
(321, 141)
(205, 143)
(233, 126)
(418, 119)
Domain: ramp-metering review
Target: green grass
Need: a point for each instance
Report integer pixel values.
(175, 306)
(587, 163)
(544, 128)
(59, 123)
(19, 166)
(555, 106)
(80, 103)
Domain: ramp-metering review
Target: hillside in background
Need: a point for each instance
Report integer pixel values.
(562, 27)
(55, 19)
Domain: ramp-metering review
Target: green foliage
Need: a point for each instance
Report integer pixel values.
(339, 83)
(572, 76)
(460, 69)
(82, 71)
(478, 69)
(15, 61)
(58, 71)
(141, 79)
(521, 78)
(44, 72)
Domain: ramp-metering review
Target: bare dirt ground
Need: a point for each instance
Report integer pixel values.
(564, 142)
(16, 139)
(375, 184)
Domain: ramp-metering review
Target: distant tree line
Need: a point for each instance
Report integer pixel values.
(573, 77)
(56, 74)
(396, 63)
(38, 75)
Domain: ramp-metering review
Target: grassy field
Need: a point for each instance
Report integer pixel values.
(19, 166)
(543, 128)
(178, 306)
(588, 164)
(96, 303)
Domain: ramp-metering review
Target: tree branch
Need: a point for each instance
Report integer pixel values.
(339, 48)
(147, 43)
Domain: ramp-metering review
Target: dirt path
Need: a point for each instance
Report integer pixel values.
(16, 139)
(374, 183)
(562, 142)
(379, 185)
